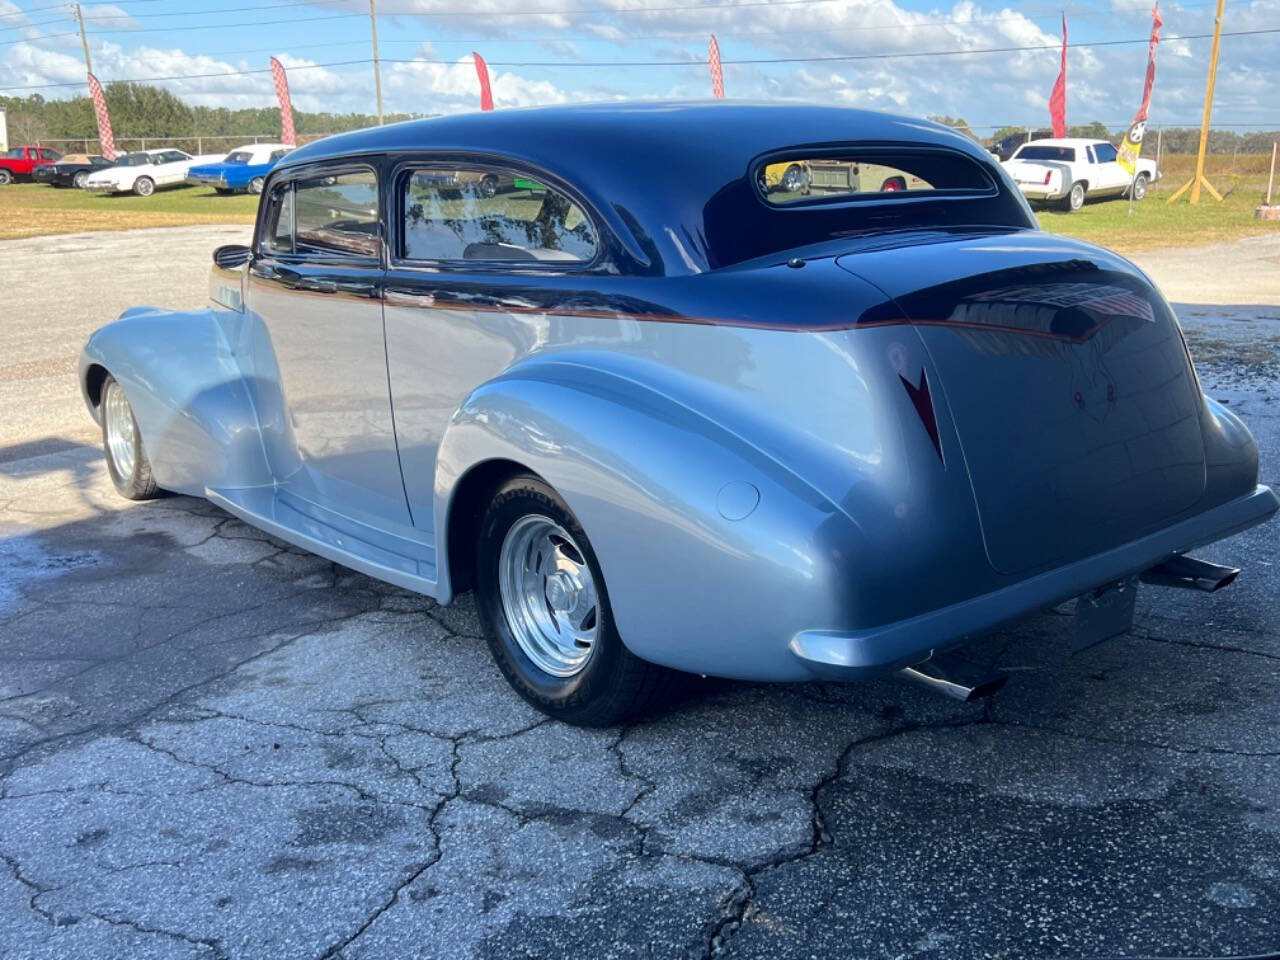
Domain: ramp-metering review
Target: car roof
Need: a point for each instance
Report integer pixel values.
(1063, 142)
(648, 167)
(260, 146)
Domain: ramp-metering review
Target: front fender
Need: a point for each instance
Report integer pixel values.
(713, 553)
(193, 406)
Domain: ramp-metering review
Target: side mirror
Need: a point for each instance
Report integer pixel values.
(231, 256)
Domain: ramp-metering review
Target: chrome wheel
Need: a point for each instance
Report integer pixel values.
(120, 429)
(548, 595)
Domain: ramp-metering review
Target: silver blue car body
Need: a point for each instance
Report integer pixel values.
(818, 438)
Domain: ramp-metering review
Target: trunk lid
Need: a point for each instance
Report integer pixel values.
(1066, 376)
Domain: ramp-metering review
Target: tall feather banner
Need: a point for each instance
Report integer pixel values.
(104, 119)
(1058, 98)
(482, 71)
(717, 73)
(287, 134)
(1132, 143)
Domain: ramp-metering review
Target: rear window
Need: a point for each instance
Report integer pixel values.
(1033, 152)
(795, 198)
(239, 157)
(860, 175)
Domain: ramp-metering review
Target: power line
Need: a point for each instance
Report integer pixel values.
(613, 64)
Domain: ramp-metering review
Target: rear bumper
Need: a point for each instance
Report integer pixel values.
(865, 654)
(1037, 191)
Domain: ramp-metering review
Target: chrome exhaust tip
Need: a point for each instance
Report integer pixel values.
(1189, 573)
(949, 675)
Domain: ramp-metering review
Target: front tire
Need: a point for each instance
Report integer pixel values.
(1074, 199)
(6, 178)
(144, 186)
(1139, 188)
(80, 179)
(122, 443)
(256, 184)
(542, 600)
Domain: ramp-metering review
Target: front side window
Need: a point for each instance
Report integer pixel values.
(1106, 153)
(172, 156)
(239, 157)
(337, 213)
(490, 214)
(277, 233)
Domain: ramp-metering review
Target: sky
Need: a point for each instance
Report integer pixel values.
(557, 51)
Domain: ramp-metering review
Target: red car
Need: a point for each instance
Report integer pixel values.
(19, 162)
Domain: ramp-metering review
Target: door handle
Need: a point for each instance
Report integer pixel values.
(316, 286)
(283, 275)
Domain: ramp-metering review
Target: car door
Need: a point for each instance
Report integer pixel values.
(470, 243)
(1112, 177)
(315, 284)
(172, 167)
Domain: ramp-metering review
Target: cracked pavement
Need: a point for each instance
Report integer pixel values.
(213, 745)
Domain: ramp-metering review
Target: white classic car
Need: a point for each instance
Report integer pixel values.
(142, 172)
(1065, 171)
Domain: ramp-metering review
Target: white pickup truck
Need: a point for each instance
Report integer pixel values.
(1068, 170)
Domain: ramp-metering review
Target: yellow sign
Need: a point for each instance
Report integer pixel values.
(1127, 154)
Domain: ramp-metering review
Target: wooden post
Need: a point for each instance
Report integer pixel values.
(377, 70)
(1272, 178)
(1199, 180)
(88, 65)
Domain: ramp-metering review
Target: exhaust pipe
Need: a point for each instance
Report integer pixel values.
(1190, 574)
(947, 674)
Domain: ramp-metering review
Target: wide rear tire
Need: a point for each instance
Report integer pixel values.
(127, 462)
(545, 609)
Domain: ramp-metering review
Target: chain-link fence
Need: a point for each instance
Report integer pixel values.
(197, 145)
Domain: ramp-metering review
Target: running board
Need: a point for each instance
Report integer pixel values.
(396, 559)
(953, 677)
(1190, 574)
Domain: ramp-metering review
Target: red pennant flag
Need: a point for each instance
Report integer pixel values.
(104, 119)
(1058, 98)
(286, 105)
(482, 71)
(1131, 146)
(717, 73)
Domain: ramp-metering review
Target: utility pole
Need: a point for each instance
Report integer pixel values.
(1199, 180)
(377, 71)
(88, 65)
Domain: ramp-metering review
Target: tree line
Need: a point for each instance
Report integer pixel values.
(139, 110)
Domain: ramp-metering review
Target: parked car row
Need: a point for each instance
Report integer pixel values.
(144, 171)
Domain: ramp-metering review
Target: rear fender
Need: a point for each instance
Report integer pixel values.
(655, 484)
(194, 408)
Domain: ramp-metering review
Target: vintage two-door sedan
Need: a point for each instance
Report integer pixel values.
(696, 422)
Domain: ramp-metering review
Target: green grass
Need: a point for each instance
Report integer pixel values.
(1157, 223)
(36, 209)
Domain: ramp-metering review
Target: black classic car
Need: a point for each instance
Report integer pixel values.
(70, 171)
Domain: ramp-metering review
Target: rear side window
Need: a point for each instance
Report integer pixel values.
(487, 213)
(853, 175)
(337, 213)
(1034, 152)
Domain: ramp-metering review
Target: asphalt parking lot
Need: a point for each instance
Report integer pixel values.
(213, 745)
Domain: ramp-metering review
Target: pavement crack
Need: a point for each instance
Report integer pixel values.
(209, 944)
(37, 889)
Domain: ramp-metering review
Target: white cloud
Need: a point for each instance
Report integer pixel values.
(1013, 87)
